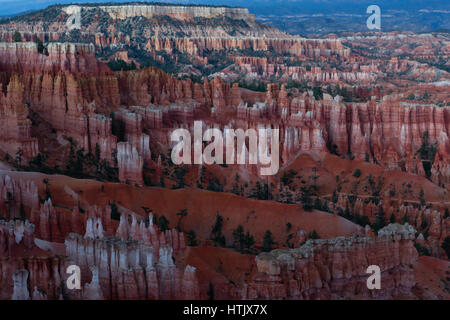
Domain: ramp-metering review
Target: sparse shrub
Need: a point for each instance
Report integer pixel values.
(191, 238)
(357, 173)
(421, 250)
(313, 235)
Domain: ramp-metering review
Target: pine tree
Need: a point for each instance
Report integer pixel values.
(334, 197)
(306, 199)
(163, 224)
(238, 238)
(405, 219)
(446, 246)
(392, 219)
(249, 241)
(17, 37)
(39, 43)
(115, 214)
(317, 204)
(191, 238)
(379, 219)
(216, 232)
(422, 198)
(313, 235)
(268, 241)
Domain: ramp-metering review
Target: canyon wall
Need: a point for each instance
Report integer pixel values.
(197, 46)
(71, 91)
(387, 132)
(15, 127)
(65, 88)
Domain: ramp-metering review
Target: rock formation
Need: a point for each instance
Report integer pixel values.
(15, 132)
(20, 278)
(140, 266)
(130, 164)
(64, 108)
(336, 268)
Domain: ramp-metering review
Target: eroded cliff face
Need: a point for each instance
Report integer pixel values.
(15, 132)
(79, 97)
(70, 87)
(71, 90)
(64, 88)
(387, 132)
(336, 268)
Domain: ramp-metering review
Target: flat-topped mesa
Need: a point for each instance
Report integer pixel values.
(336, 268)
(179, 12)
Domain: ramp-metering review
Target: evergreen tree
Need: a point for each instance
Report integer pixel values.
(446, 246)
(334, 197)
(216, 232)
(405, 219)
(249, 241)
(163, 224)
(427, 152)
(379, 220)
(39, 43)
(306, 199)
(17, 37)
(268, 241)
(347, 214)
(317, 204)
(239, 238)
(313, 235)
(115, 215)
(191, 238)
(392, 219)
(288, 226)
(422, 198)
(23, 215)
